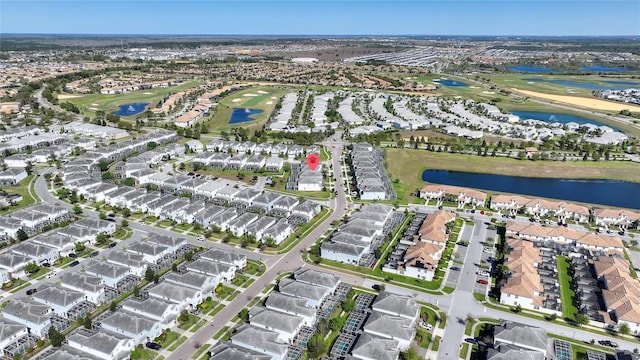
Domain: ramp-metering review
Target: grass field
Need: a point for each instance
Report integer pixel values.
(569, 310)
(407, 165)
(263, 101)
(23, 190)
(88, 104)
(523, 81)
(583, 102)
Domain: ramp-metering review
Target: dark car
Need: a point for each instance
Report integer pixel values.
(608, 343)
(455, 268)
(110, 219)
(46, 265)
(376, 287)
(112, 244)
(74, 263)
(471, 340)
(94, 254)
(32, 291)
(111, 215)
(153, 346)
(483, 282)
(72, 255)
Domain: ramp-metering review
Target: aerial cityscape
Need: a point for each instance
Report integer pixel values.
(288, 180)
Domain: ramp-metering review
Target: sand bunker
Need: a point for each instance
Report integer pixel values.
(269, 102)
(250, 95)
(581, 101)
(473, 87)
(273, 98)
(262, 92)
(95, 104)
(236, 100)
(93, 109)
(489, 92)
(148, 93)
(67, 96)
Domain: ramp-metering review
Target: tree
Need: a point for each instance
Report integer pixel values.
(184, 316)
(470, 318)
(21, 235)
(31, 268)
(101, 238)
(126, 212)
(56, 337)
(316, 347)
(624, 329)
(336, 324)
(80, 246)
(149, 274)
(87, 322)
(348, 305)
(410, 354)
(113, 307)
(102, 215)
(136, 291)
(174, 267)
(125, 223)
(502, 269)
(244, 315)
(77, 209)
(582, 319)
(129, 181)
(188, 255)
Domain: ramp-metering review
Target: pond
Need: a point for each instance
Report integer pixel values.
(243, 115)
(599, 68)
(532, 69)
(605, 192)
(131, 109)
(583, 85)
(554, 117)
(450, 82)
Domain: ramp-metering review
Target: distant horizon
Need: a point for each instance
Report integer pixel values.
(317, 35)
(527, 18)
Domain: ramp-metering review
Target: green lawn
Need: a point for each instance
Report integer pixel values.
(169, 339)
(220, 120)
(41, 272)
(567, 295)
(88, 104)
(23, 190)
(177, 344)
(142, 353)
(189, 323)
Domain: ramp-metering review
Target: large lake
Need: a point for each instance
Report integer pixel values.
(599, 68)
(532, 69)
(243, 115)
(131, 109)
(553, 117)
(616, 85)
(605, 192)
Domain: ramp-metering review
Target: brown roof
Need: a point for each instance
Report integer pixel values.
(434, 227)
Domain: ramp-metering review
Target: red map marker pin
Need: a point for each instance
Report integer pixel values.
(313, 160)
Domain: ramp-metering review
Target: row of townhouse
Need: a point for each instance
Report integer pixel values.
(226, 161)
(20, 132)
(138, 319)
(98, 131)
(32, 219)
(33, 142)
(540, 207)
(371, 179)
(355, 241)
(620, 293)
(565, 236)
(185, 210)
(273, 328)
(422, 253)
(461, 196)
(250, 147)
(47, 248)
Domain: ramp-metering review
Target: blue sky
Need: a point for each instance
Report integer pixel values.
(317, 17)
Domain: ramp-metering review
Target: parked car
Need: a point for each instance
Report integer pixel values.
(455, 268)
(46, 265)
(72, 255)
(471, 340)
(153, 346)
(483, 282)
(376, 287)
(608, 343)
(31, 292)
(74, 263)
(112, 244)
(94, 254)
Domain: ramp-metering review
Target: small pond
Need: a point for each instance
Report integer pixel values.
(243, 115)
(131, 109)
